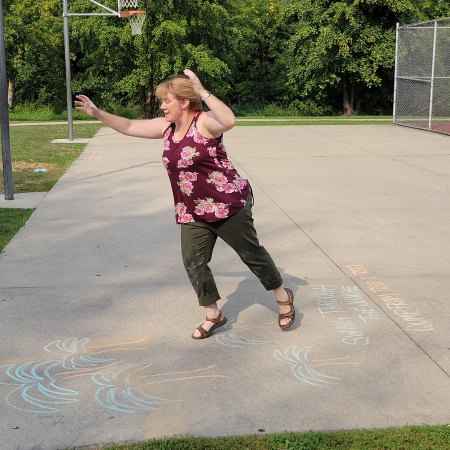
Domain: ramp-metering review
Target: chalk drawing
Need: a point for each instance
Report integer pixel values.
(116, 393)
(302, 366)
(232, 339)
(34, 392)
(411, 317)
(37, 387)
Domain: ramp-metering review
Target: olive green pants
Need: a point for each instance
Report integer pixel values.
(197, 245)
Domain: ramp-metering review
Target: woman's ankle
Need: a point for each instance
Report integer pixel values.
(280, 294)
(212, 310)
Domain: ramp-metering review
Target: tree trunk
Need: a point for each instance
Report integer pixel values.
(149, 108)
(149, 102)
(10, 94)
(348, 91)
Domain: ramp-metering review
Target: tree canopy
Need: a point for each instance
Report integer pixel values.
(308, 56)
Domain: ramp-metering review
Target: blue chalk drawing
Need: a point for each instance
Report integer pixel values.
(115, 392)
(37, 387)
(232, 339)
(36, 384)
(302, 367)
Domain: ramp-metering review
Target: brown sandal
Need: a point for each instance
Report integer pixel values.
(219, 321)
(290, 314)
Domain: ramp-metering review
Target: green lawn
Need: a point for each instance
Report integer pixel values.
(405, 438)
(31, 148)
(248, 121)
(11, 221)
(317, 121)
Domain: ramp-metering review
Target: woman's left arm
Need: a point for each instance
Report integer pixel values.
(219, 118)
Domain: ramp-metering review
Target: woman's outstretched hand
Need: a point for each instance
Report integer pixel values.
(196, 84)
(85, 104)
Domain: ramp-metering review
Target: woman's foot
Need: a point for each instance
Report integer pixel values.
(285, 300)
(214, 319)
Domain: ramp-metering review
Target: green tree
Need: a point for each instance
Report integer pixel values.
(179, 34)
(102, 54)
(34, 47)
(433, 9)
(257, 77)
(340, 46)
(327, 55)
(120, 68)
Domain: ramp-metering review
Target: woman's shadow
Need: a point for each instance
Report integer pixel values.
(250, 291)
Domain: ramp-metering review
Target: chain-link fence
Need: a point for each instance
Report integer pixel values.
(422, 76)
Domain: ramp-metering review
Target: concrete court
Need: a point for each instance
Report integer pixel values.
(97, 312)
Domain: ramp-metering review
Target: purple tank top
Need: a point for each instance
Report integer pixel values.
(205, 184)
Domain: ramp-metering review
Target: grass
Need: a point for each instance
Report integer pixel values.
(308, 118)
(315, 121)
(31, 148)
(11, 221)
(35, 113)
(404, 438)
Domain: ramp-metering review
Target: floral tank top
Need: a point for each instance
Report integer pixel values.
(205, 184)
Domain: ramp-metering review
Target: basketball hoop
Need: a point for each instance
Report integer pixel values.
(136, 19)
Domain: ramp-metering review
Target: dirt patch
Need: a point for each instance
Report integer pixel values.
(22, 166)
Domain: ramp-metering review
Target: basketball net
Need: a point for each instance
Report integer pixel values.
(136, 20)
(135, 17)
(127, 4)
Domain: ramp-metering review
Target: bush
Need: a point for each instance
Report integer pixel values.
(295, 108)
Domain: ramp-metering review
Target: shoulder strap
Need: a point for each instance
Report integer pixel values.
(196, 116)
(168, 127)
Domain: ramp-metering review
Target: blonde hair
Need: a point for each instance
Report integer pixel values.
(181, 87)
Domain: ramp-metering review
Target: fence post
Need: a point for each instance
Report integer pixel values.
(397, 35)
(433, 66)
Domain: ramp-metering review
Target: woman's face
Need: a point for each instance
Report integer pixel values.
(172, 107)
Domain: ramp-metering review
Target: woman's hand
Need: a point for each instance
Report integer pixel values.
(85, 104)
(196, 84)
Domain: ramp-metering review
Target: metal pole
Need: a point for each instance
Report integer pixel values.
(68, 76)
(66, 16)
(4, 116)
(433, 68)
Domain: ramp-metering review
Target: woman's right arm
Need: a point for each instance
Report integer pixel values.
(150, 129)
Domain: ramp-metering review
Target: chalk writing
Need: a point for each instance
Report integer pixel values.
(326, 300)
(337, 304)
(352, 334)
(353, 296)
(411, 316)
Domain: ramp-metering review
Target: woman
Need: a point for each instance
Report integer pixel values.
(211, 199)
